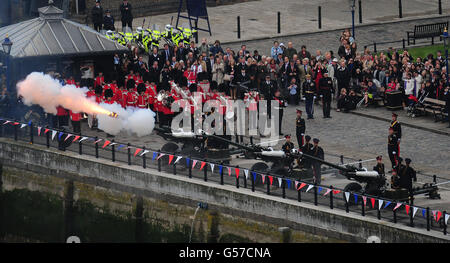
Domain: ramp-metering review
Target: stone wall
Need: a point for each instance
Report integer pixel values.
(255, 216)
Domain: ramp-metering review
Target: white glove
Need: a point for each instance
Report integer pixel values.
(393, 152)
(302, 134)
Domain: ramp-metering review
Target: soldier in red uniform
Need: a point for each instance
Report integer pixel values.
(132, 94)
(142, 98)
(109, 97)
(61, 114)
(70, 81)
(75, 117)
(99, 94)
(99, 80)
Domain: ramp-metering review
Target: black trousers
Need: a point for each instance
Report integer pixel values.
(393, 157)
(326, 108)
(128, 23)
(97, 27)
(281, 120)
(300, 139)
(76, 126)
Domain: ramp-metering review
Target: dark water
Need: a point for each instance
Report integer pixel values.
(42, 217)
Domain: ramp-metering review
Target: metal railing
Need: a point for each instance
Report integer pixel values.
(225, 174)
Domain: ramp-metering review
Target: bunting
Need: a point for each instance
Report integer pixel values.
(356, 198)
(423, 212)
(335, 192)
(263, 178)
(446, 218)
(68, 136)
(364, 200)
(212, 167)
(178, 159)
(6, 122)
(397, 206)
(270, 179)
(194, 162)
(387, 204)
(23, 126)
(16, 123)
(438, 216)
(380, 203)
(229, 171)
(155, 154)
(407, 209)
(84, 138)
(60, 135)
(39, 131)
(76, 138)
(137, 151)
(46, 130)
(160, 155)
(347, 196)
(309, 187)
(280, 181)
(254, 176)
(202, 165)
(327, 192)
(106, 143)
(53, 134)
(220, 169)
(246, 174)
(236, 170)
(319, 190)
(120, 146)
(97, 141)
(144, 153)
(301, 186)
(288, 181)
(414, 211)
(372, 200)
(170, 158)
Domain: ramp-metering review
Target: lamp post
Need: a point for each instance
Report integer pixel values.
(7, 44)
(445, 38)
(352, 8)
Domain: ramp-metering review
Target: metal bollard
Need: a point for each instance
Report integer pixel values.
(189, 167)
(363, 208)
(346, 203)
(15, 132)
(331, 197)
(113, 152)
(319, 19)
(80, 148)
(283, 188)
(221, 173)
(378, 210)
(129, 154)
(445, 225)
(96, 147)
(299, 195)
(395, 215)
(205, 172)
(428, 219)
(238, 27)
(48, 139)
(253, 183)
(411, 219)
(31, 133)
(315, 194)
(268, 184)
(174, 169)
(144, 159)
(237, 179)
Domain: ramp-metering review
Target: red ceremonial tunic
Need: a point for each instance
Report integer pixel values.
(75, 116)
(99, 81)
(131, 99)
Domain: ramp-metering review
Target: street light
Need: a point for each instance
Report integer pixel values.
(7, 44)
(445, 38)
(352, 8)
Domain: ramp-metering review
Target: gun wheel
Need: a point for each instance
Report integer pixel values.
(170, 148)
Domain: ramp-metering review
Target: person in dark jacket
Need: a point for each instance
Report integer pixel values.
(342, 75)
(108, 21)
(407, 175)
(97, 16)
(127, 16)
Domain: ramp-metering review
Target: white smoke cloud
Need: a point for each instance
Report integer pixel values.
(41, 89)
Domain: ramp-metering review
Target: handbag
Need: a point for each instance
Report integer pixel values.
(227, 77)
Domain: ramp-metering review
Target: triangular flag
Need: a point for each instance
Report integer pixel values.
(433, 212)
(144, 152)
(236, 170)
(6, 122)
(423, 212)
(387, 204)
(347, 196)
(380, 203)
(39, 131)
(301, 186)
(309, 187)
(154, 155)
(114, 143)
(356, 198)
(414, 211)
(327, 192)
(84, 138)
(23, 125)
(279, 182)
(178, 159)
(29, 123)
(202, 165)
(120, 146)
(76, 138)
(372, 200)
(446, 218)
(53, 134)
(68, 136)
(194, 162)
(263, 177)
(137, 151)
(229, 171)
(407, 209)
(16, 123)
(364, 199)
(254, 176)
(160, 155)
(46, 130)
(246, 174)
(106, 144)
(438, 216)
(336, 192)
(97, 141)
(212, 167)
(220, 169)
(270, 179)
(398, 205)
(170, 158)
(60, 135)
(288, 181)
(319, 190)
